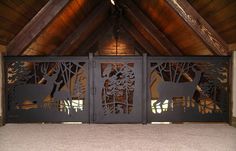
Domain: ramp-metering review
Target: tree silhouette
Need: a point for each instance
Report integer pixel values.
(18, 73)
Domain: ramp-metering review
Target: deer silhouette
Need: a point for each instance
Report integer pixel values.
(35, 92)
(62, 95)
(168, 89)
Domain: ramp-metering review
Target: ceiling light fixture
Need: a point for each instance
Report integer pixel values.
(117, 12)
(113, 2)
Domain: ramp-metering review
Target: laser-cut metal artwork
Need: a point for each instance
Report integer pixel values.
(55, 89)
(33, 95)
(170, 89)
(45, 89)
(118, 90)
(194, 90)
(119, 84)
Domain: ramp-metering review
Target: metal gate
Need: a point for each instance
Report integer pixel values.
(46, 89)
(99, 89)
(118, 90)
(188, 89)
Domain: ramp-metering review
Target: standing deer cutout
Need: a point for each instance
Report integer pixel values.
(62, 95)
(168, 89)
(35, 92)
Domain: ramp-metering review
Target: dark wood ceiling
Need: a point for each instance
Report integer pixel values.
(14, 15)
(76, 27)
(61, 27)
(220, 14)
(164, 17)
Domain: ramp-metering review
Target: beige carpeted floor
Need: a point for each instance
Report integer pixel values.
(64, 137)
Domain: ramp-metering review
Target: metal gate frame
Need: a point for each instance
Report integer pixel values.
(48, 117)
(134, 116)
(224, 116)
(90, 84)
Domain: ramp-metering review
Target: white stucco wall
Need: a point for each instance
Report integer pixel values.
(234, 84)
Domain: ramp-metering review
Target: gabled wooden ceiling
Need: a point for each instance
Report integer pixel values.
(157, 27)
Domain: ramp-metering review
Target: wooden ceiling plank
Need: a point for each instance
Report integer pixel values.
(35, 4)
(201, 4)
(3, 42)
(20, 8)
(137, 17)
(224, 24)
(226, 11)
(229, 35)
(8, 26)
(87, 26)
(84, 48)
(213, 7)
(12, 15)
(31, 31)
(208, 35)
(139, 38)
(74, 9)
(6, 36)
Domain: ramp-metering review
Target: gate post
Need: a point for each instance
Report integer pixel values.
(2, 91)
(144, 83)
(91, 89)
(233, 89)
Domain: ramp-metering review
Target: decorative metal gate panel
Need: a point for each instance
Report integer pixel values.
(188, 89)
(118, 90)
(46, 89)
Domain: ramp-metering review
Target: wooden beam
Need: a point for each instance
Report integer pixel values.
(149, 30)
(89, 24)
(84, 48)
(138, 37)
(32, 30)
(208, 35)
